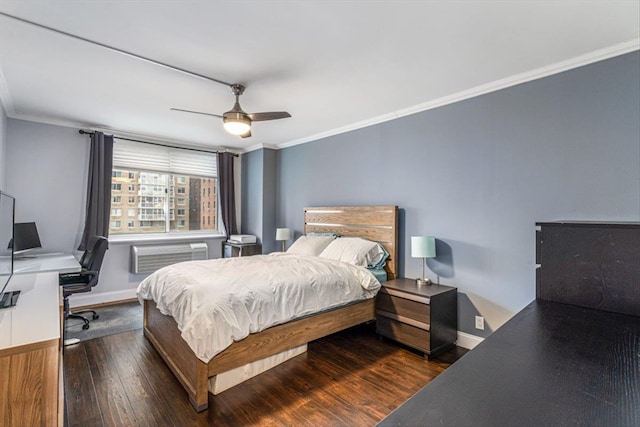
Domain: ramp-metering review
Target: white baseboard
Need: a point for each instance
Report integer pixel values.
(94, 298)
(468, 341)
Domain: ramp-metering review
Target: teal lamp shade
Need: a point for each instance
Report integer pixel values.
(423, 247)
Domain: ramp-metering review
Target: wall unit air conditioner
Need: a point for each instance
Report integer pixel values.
(149, 258)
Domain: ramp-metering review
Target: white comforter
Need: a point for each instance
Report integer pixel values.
(217, 302)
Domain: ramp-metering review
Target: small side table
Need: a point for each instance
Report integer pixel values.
(232, 249)
(422, 317)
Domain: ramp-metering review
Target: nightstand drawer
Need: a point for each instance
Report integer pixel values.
(401, 332)
(416, 310)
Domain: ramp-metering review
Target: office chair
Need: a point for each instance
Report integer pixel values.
(86, 279)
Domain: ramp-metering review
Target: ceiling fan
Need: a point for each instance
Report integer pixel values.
(238, 122)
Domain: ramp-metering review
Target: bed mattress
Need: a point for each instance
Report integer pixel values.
(217, 302)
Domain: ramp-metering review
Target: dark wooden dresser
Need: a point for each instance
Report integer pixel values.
(570, 358)
(423, 317)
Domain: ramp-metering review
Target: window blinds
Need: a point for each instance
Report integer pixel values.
(140, 156)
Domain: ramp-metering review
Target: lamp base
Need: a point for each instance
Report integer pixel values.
(422, 282)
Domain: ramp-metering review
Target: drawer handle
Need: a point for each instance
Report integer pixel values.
(410, 297)
(404, 319)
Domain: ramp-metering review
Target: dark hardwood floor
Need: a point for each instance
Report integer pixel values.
(352, 378)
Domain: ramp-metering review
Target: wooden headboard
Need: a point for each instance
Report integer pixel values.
(375, 223)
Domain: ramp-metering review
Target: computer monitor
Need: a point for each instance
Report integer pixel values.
(7, 208)
(25, 237)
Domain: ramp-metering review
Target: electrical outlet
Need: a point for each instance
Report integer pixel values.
(480, 323)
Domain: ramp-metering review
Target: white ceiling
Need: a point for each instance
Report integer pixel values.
(334, 65)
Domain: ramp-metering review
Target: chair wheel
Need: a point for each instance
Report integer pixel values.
(85, 326)
(96, 316)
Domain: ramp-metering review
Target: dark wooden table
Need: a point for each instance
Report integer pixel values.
(551, 364)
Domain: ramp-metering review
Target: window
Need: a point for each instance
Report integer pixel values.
(152, 174)
(115, 224)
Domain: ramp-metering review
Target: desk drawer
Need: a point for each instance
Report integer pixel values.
(415, 310)
(401, 332)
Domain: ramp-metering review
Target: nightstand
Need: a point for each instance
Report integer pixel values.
(422, 317)
(231, 249)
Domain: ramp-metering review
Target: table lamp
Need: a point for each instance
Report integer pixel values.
(423, 247)
(283, 234)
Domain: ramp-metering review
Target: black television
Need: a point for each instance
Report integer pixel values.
(7, 211)
(25, 238)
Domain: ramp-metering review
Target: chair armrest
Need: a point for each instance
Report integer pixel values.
(73, 278)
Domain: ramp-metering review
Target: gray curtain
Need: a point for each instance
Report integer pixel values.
(96, 221)
(227, 192)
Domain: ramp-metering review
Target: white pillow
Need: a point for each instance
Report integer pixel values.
(310, 245)
(354, 250)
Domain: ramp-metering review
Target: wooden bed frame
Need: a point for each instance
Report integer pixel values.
(376, 223)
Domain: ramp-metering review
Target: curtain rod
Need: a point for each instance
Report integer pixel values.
(84, 132)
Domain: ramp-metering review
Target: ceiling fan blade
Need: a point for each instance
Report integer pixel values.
(273, 115)
(246, 135)
(196, 112)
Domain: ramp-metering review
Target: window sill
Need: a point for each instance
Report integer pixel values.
(144, 238)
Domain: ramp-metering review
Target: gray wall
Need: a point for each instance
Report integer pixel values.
(259, 196)
(47, 173)
(478, 174)
(252, 193)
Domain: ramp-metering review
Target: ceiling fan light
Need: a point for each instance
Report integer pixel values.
(236, 124)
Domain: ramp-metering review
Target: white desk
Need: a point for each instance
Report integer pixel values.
(64, 263)
(36, 316)
(30, 353)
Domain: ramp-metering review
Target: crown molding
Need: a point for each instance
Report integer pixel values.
(259, 146)
(119, 132)
(538, 73)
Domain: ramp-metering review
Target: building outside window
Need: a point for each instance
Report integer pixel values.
(151, 175)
